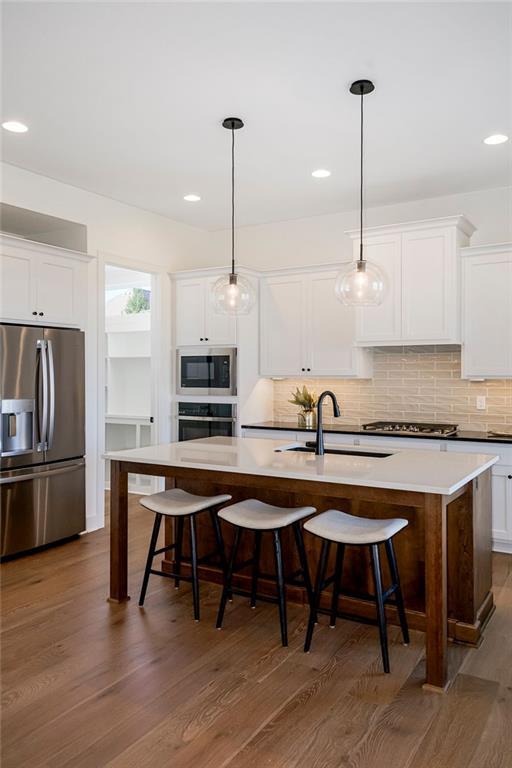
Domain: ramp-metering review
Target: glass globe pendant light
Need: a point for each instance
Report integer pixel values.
(361, 284)
(233, 294)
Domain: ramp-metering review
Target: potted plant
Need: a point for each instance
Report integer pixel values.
(306, 401)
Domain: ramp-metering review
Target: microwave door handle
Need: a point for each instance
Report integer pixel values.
(42, 408)
(51, 392)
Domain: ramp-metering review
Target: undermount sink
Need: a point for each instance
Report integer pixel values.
(308, 448)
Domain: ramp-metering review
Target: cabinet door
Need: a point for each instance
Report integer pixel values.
(189, 315)
(330, 329)
(219, 329)
(18, 294)
(429, 286)
(487, 316)
(60, 287)
(502, 507)
(282, 325)
(382, 323)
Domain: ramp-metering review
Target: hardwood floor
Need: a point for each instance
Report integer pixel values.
(87, 683)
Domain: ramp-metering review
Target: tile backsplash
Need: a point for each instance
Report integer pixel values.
(410, 384)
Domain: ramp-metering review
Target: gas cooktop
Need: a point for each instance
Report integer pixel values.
(410, 427)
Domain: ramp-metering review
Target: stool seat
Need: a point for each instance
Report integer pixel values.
(176, 501)
(349, 529)
(258, 516)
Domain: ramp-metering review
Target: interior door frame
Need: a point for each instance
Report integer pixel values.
(160, 359)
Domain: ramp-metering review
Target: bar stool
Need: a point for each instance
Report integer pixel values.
(181, 504)
(342, 529)
(256, 516)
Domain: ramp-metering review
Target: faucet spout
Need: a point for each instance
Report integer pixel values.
(319, 449)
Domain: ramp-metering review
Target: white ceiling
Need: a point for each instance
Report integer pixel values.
(126, 100)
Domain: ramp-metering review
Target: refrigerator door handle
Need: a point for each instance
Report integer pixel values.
(43, 433)
(51, 388)
(37, 475)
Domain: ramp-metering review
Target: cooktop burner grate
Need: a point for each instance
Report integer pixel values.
(411, 427)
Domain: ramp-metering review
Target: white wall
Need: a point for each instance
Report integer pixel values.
(128, 235)
(112, 227)
(321, 239)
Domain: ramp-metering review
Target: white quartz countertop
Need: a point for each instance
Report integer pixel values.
(405, 469)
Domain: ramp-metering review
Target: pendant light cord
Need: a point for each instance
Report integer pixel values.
(361, 187)
(232, 201)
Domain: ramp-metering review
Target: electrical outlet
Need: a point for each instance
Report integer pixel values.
(480, 403)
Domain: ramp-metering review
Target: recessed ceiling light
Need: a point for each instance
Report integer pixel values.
(321, 173)
(14, 126)
(496, 138)
(192, 198)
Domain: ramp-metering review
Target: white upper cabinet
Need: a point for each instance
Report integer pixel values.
(305, 331)
(40, 286)
(383, 323)
(421, 263)
(487, 311)
(18, 286)
(282, 326)
(196, 321)
(189, 313)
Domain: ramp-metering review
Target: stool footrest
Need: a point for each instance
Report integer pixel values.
(349, 616)
(171, 575)
(164, 549)
(247, 593)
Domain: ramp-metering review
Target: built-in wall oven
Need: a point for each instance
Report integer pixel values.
(206, 420)
(210, 371)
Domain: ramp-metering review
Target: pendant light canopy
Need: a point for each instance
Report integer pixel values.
(362, 284)
(233, 294)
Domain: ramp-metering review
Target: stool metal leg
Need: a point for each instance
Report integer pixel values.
(299, 540)
(193, 557)
(178, 550)
(340, 552)
(320, 577)
(149, 561)
(393, 568)
(219, 540)
(226, 590)
(281, 596)
(381, 612)
(220, 544)
(255, 567)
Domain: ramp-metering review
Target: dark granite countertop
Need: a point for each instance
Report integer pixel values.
(473, 436)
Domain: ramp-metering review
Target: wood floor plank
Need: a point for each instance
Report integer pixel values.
(88, 684)
(458, 726)
(495, 747)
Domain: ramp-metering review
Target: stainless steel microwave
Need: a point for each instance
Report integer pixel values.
(206, 371)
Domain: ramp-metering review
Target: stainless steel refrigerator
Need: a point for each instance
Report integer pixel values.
(42, 464)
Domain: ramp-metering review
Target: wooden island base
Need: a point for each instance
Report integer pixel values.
(444, 554)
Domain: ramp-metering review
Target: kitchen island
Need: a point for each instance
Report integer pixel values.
(444, 554)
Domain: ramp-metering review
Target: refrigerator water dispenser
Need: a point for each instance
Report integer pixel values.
(17, 427)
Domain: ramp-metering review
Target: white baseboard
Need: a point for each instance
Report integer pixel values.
(502, 545)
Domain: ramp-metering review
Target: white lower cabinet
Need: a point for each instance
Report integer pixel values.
(502, 507)
(501, 488)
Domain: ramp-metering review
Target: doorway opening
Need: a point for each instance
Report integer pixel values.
(129, 366)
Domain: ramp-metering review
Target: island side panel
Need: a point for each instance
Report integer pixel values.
(469, 523)
(118, 532)
(436, 597)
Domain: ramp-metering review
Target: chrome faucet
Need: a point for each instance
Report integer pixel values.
(319, 448)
